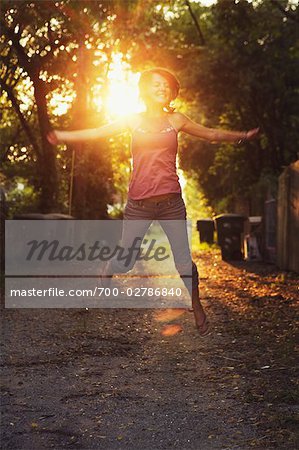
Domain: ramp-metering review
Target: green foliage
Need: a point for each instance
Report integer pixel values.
(44, 41)
(21, 197)
(245, 75)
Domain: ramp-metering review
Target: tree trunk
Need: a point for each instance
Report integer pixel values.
(47, 160)
(80, 121)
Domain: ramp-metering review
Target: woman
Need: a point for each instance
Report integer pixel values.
(154, 190)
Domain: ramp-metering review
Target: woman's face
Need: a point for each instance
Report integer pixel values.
(158, 90)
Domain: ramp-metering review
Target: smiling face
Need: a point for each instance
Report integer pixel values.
(158, 90)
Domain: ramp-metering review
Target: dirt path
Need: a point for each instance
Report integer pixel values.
(110, 379)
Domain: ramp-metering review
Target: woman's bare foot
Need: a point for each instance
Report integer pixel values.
(201, 320)
(204, 327)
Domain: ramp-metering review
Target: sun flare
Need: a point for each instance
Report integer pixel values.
(122, 95)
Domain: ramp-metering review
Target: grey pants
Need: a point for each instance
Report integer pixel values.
(171, 214)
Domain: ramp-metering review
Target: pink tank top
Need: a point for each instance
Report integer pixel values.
(154, 160)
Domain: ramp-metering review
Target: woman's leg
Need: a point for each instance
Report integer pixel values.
(172, 219)
(137, 220)
(133, 233)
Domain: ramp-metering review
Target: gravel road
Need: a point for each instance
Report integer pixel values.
(145, 379)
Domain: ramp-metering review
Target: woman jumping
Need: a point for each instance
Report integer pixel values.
(154, 190)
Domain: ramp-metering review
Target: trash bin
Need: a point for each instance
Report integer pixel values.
(206, 228)
(230, 229)
(253, 239)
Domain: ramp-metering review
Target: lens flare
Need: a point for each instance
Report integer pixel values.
(171, 330)
(168, 315)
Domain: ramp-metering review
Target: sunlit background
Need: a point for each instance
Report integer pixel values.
(120, 97)
(111, 95)
(117, 98)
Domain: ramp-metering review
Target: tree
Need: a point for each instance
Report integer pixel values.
(39, 42)
(25, 44)
(246, 77)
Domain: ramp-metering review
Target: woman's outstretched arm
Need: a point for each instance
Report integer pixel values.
(184, 123)
(111, 129)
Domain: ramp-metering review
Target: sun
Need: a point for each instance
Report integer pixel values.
(122, 96)
(119, 97)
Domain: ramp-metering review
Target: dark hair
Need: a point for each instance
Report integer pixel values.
(165, 73)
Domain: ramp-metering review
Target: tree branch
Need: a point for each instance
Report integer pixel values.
(21, 117)
(22, 55)
(196, 23)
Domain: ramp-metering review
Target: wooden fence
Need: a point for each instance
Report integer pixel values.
(288, 219)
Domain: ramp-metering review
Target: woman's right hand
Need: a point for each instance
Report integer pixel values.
(89, 134)
(52, 137)
(252, 134)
